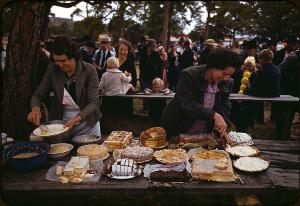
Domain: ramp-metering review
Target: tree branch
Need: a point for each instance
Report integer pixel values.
(65, 5)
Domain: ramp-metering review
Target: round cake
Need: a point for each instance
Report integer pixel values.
(154, 138)
(93, 151)
(138, 154)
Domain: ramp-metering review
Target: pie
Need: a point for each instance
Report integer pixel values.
(171, 156)
(118, 139)
(211, 154)
(154, 138)
(93, 151)
(242, 150)
(137, 153)
(251, 164)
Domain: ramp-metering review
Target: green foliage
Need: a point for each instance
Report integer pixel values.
(91, 26)
(272, 20)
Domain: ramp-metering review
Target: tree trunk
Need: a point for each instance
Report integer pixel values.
(166, 24)
(206, 30)
(19, 81)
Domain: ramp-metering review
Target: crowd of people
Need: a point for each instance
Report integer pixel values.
(266, 70)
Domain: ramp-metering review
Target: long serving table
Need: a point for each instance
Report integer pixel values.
(233, 97)
(277, 185)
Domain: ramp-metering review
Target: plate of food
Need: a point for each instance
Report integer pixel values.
(123, 169)
(52, 129)
(242, 150)
(171, 156)
(251, 164)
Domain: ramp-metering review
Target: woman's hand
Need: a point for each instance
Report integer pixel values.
(220, 124)
(72, 122)
(35, 116)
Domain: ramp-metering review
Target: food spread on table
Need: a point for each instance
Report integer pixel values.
(175, 165)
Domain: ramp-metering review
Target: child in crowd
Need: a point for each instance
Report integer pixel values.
(156, 106)
(157, 87)
(113, 81)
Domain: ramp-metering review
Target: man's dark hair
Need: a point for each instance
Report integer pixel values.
(64, 46)
(220, 58)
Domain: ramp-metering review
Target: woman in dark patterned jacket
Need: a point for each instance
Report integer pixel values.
(201, 102)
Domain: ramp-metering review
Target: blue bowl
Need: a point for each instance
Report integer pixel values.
(29, 163)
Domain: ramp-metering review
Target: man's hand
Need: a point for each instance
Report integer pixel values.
(35, 116)
(72, 122)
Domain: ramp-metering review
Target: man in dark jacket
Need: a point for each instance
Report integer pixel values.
(187, 58)
(282, 54)
(201, 102)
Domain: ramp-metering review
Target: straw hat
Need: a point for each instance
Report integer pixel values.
(210, 42)
(104, 40)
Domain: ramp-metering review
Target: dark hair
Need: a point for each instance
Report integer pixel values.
(63, 45)
(129, 47)
(220, 58)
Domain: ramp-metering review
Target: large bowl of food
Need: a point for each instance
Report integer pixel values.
(86, 139)
(56, 132)
(27, 155)
(59, 150)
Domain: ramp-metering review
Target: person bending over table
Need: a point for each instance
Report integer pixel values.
(74, 84)
(201, 102)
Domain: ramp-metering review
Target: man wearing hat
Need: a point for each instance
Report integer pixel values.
(208, 45)
(101, 55)
(289, 50)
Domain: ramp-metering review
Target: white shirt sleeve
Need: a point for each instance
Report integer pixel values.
(95, 55)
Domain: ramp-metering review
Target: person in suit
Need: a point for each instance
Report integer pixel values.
(74, 84)
(174, 70)
(101, 55)
(187, 58)
(201, 102)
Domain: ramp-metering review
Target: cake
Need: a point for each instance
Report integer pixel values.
(93, 151)
(74, 170)
(123, 167)
(154, 138)
(212, 165)
(170, 176)
(118, 139)
(137, 153)
(171, 156)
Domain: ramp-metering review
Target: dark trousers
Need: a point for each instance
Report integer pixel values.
(243, 115)
(283, 114)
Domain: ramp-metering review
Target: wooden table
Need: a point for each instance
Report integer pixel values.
(279, 183)
(233, 97)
